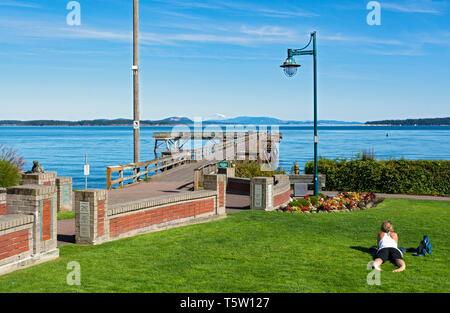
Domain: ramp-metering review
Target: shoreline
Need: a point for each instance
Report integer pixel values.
(239, 125)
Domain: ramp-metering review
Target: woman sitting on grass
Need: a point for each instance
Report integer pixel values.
(387, 248)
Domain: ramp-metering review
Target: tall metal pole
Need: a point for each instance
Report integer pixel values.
(316, 138)
(135, 67)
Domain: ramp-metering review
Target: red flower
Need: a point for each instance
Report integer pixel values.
(304, 209)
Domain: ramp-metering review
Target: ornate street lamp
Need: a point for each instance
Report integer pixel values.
(290, 68)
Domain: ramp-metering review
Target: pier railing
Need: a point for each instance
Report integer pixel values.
(154, 166)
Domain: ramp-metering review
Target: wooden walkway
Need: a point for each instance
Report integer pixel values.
(176, 180)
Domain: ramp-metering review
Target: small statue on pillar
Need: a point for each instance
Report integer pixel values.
(37, 168)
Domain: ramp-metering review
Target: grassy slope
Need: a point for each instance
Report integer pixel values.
(257, 252)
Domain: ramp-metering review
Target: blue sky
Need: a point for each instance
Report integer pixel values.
(210, 58)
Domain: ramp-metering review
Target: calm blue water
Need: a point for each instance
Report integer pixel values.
(62, 149)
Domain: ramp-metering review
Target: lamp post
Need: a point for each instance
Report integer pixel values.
(290, 69)
(135, 69)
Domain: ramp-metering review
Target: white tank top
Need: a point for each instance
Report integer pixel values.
(387, 242)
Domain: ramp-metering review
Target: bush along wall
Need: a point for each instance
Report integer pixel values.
(9, 174)
(428, 177)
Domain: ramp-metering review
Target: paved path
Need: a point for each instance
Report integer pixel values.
(177, 180)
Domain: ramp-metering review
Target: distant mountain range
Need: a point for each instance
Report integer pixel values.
(440, 121)
(241, 120)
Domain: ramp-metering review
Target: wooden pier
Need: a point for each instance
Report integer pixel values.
(257, 146)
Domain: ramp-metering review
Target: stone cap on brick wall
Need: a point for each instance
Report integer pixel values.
(158, 201)
(98, 191)
(239, 180)
(281, 178)
(35, 175)
(30, 190)
(63, 179)
(15, 220)
(262, 180)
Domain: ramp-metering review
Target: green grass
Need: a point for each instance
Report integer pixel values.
(66, 215)
(255, 251)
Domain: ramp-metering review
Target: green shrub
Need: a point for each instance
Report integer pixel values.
(314, 200)
(9, 174)
(386, 176)
(253, 169)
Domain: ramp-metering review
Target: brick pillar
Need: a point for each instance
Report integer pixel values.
(2, 201)
(39, 200)
(228, 171)
(261, 193)
(91, 226)
(47, 178)
(217, 182)
(64, 185)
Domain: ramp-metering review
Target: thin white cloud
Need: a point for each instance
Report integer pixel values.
(19, 4)
(359, 40)
(268, 31)
(248, 8)
(285, 13)
(420, 6)
(243, 36)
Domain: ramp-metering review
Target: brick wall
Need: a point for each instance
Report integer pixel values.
(221, 194)
(14, 243)
(46, 219)
(101, 217)
(282, 198)
(217, 183)
(28, 229)
(97, 222)
(130, 222)
(40, 201)
(281, 191)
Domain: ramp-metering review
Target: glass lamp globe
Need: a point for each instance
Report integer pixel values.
(290, 67)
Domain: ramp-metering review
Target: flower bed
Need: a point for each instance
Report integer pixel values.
(345, 201)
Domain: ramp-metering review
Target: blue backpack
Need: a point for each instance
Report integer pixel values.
(424, 247)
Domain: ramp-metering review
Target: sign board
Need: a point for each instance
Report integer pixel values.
(300, 189)
(136, 124)
(66, 195)
(223, 164)
(85, 229)
(258, 196)
(86, 170)
(84, 207)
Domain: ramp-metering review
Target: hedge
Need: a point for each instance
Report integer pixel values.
(249, 169)
(9, 174)
(430, 177)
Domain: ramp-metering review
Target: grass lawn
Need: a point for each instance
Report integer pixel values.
(256, 251)
(66, 215)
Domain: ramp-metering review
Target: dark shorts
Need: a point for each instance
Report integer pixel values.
(391, 254)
